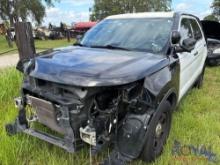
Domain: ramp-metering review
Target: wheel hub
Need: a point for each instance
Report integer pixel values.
(159, 129)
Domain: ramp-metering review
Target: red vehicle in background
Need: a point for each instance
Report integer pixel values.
(81, 28)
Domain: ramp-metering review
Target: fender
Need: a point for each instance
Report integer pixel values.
(164, 83)
(133, 130)
(162, 86)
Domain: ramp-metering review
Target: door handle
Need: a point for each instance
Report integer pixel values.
(196, 53)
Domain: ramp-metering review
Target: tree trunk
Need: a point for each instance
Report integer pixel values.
(25, 40)
(68, 35)
(8, 37)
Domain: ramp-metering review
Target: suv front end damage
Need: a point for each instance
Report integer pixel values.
(106, 94)
(93, 115)
(101, 111)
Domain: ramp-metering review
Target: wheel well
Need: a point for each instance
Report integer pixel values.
(172, 99)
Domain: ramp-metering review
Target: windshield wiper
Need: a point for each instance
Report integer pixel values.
(79, 44)
(109, 47)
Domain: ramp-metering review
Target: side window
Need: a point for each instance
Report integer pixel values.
(185, 29)
(196, 30)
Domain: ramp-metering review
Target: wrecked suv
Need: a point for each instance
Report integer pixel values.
(117, 87)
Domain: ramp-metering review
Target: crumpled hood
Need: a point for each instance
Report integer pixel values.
(82, 66)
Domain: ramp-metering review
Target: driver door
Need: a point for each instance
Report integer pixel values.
(187, 59)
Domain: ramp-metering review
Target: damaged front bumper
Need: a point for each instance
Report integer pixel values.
(45, 114)
(88, 135)
(96, 116)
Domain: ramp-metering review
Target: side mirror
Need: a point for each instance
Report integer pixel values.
(175, 37)
(188, 44)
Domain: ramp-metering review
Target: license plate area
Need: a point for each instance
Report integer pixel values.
(88, 135)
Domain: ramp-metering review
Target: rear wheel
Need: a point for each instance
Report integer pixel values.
(157, 133)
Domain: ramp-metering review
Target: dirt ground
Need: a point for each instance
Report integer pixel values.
(8, 60)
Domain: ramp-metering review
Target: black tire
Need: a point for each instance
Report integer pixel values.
(199, 82)
(154, 142)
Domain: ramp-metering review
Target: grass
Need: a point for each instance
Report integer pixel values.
(197, 122)
(4, 46)
(39, 44)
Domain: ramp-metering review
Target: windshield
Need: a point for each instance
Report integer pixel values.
(138, 34)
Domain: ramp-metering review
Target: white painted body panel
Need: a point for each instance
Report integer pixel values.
(191, 64)
(143, 15)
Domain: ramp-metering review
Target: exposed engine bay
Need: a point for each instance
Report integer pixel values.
(211, 30)
(213, 45)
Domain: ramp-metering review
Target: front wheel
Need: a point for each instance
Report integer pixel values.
(157, 133)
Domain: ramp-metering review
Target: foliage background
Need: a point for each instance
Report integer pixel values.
(104, 8)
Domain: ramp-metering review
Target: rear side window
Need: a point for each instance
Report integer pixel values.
(185, 29)
(196, 30)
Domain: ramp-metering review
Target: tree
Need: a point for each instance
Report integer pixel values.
(20, 10)
(104, 8)
(211, 17)
(50, 26)
(63, 26)
(216, 8)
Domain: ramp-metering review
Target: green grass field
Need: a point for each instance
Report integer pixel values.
(4, 45)
(39, 44)
(197, 122)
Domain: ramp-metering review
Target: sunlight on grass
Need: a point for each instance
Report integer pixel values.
(4, 45)
(196, 122)
(39, 44)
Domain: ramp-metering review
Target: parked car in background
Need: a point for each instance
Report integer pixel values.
(212, 32)
(54, 35)
(42, 33)
(118, 87)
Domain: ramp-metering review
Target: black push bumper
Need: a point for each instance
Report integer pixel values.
(65, 143)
